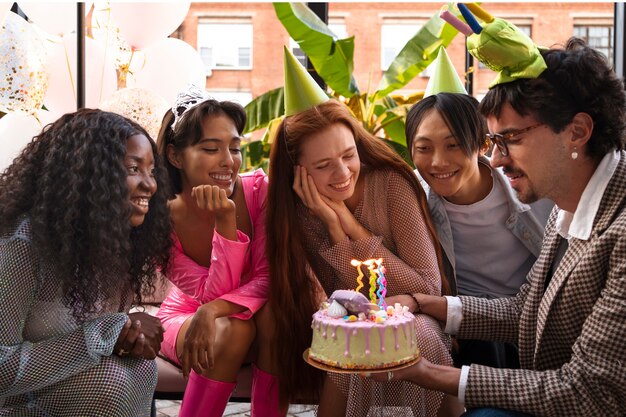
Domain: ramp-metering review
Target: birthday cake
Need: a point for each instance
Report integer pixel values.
(349, 332)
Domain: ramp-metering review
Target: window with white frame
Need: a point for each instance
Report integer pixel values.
(336, 25)
(394, 34)
(597, 35)
(241, 97)
(225, 43)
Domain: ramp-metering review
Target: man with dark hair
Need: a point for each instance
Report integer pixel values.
(558, 136)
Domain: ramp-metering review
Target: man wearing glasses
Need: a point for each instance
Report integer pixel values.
(558, 136)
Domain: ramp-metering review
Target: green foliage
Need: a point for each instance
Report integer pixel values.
(331, 56)
(264, 109)
(380, 112)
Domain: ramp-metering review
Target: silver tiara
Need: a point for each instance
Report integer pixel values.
(190, 98)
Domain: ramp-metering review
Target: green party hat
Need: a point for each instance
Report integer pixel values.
(502, 47)
(444, 79)
(301, 90)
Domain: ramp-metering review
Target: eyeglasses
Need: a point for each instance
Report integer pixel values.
(502, 141)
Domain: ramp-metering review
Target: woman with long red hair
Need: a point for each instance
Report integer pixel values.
(338, 193)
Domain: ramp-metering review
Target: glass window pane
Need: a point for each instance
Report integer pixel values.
(338, 29)
(597, 36)
(393, 38)
(230, 44)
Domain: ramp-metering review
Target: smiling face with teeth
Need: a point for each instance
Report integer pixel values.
(331, 159)
(215, 159)
(139, 162)
(444, 164)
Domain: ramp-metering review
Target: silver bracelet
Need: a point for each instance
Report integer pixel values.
(418, 310)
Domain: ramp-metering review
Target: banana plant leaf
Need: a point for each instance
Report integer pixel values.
(263, 109)
(416, 55)
(390, 118)
(253, 155)
(331, 57)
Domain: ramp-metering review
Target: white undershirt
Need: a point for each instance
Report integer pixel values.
(490, 259)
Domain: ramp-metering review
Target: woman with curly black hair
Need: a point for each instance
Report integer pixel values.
(83, 228)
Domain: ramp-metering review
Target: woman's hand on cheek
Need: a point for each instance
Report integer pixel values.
(349, 223)
(305, 188)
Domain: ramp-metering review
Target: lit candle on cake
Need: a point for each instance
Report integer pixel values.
(372, 268)
(382, 284)
(359, 279)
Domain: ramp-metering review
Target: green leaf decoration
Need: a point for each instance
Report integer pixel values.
(331, 57)
(416, 55)
(263, 109)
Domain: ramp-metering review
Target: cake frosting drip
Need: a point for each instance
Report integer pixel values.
(368, 338)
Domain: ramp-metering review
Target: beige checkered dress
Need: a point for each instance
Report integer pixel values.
(49, 364)
(572, 339)
(391, 212)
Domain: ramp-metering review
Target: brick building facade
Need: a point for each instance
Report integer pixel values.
(241, 43)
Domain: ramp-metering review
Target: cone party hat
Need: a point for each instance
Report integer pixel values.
(444, 78)
(301, 90)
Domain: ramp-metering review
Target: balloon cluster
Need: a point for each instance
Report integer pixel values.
(127, 45)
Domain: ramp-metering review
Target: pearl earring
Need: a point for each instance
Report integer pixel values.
(574, 153)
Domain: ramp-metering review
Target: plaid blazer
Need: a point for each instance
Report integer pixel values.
(572, 339)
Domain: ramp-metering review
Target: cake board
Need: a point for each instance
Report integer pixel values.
(329, 368)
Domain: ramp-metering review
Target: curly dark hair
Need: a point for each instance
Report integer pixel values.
(70, 181)
(578, 79)
(189, 132)
(460, 113)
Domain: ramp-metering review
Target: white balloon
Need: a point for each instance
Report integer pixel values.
(100, 75)
(46, 116)
(4, 9)
(143, 24)
(143, 106)
(171, 64)
(16, 130)
(107, 34)
(23, 66)
(55, 18)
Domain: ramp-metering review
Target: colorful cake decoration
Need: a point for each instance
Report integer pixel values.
(354, 302)
(377, 281)
(359, 278)
(350, 332)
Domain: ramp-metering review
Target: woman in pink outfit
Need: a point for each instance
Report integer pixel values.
(218, 264)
